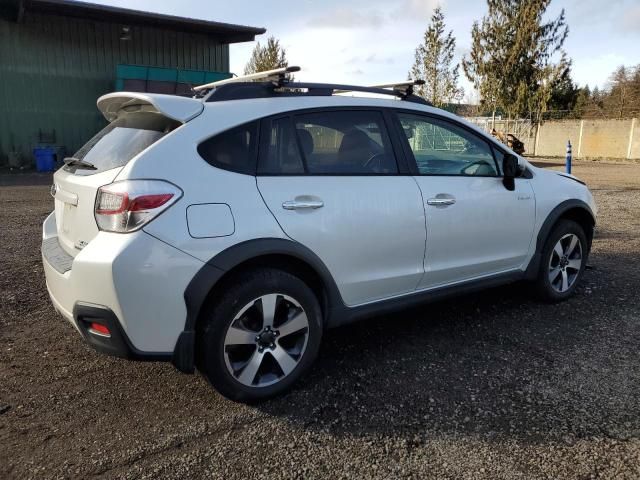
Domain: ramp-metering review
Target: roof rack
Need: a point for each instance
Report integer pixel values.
(399, 89)
(405, 87)
(278, 76)
(277, 83)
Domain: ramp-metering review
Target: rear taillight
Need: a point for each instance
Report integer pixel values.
(128, 205)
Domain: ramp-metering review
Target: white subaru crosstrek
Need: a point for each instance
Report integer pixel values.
(227, 231)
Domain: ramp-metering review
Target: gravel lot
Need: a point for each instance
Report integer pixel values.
(492, 385)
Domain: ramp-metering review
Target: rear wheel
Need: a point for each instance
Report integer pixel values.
(564, 258)
(260, 336)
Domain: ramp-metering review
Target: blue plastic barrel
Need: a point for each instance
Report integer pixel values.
(45, 159)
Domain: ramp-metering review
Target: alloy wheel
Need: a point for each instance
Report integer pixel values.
(565, 263)
(266, 340)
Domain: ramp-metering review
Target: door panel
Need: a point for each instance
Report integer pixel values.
(331, 180)
(487, 230)
(369, 231)
(475, 226)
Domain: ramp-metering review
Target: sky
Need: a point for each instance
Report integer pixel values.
(373, 41)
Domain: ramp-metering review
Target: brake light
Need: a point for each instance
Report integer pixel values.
(128, 205)
(148, 202)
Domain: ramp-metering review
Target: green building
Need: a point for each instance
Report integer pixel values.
(58, 56)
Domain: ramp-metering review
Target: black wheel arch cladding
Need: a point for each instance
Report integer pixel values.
(200, 287)
(567, 209)
(560, 211)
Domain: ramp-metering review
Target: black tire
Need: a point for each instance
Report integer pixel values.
(220, 314)
(544, 287)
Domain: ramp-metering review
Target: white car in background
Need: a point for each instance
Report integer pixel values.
(228, 231)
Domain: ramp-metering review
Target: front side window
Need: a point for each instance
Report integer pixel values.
(442, 148)
(233, 149)
(345, 143)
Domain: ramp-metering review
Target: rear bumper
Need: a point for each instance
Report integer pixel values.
(134, 282)
(116, 343)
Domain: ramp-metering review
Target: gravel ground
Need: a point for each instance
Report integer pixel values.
(492, 385)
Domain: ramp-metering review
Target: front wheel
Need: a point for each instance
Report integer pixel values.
(564, 258)
(260, 336)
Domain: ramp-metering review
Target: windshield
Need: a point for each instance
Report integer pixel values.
(120, 141)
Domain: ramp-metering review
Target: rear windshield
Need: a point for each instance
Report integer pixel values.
(121, 140)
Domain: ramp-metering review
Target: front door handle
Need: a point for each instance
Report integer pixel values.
(301, 205)
(441, 202)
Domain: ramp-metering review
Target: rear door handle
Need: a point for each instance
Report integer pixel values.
(301, 205)
(440, 202)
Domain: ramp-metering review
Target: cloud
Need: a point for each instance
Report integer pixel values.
(343, 17)
(631, 19)
(373, 58)
(418, 10)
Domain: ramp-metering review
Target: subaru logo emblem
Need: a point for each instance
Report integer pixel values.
(53, 190)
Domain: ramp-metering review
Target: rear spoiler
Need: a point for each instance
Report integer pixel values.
(181, 109)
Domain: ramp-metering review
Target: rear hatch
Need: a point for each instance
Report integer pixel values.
(137, 121)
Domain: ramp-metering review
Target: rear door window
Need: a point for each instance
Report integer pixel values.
(345, 143)
(279, 152)
(121, 140)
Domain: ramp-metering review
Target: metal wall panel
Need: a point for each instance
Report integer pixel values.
(53, 68)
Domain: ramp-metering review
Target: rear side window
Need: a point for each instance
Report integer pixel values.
(345, 143)
(121, 140)
(233, 150)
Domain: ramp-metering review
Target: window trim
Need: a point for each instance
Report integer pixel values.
(394, 144)
(263, 147)
(413, 164)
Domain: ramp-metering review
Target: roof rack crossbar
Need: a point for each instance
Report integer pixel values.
(278, 75)
(406, 87)
(238, 90)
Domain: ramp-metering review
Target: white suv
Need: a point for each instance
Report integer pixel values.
(227, 232)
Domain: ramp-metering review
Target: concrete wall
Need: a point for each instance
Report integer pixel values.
(605, 138)
(551, 138)
(599, 138)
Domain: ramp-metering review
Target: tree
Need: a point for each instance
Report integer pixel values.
(269, 57)
(564, 93)
(582, 103)
(511, 62)
(622, 92)
(433, 64)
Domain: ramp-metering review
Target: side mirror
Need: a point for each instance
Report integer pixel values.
(509, 171)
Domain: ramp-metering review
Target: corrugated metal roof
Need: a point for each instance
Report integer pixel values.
(225, 32)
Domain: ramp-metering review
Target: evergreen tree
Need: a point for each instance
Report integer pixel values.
(582, 103)
(434, 64)
(564, 93)
(269, 57)
(512, 56)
